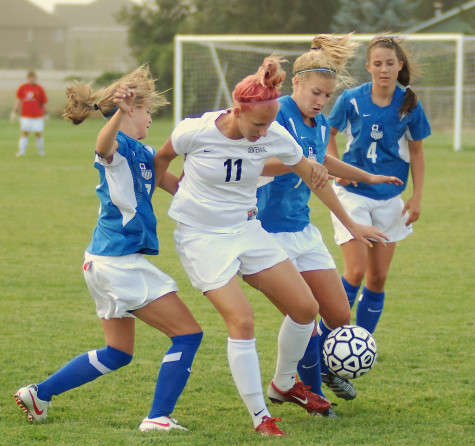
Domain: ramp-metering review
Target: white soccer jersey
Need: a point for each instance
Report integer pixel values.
(218, 190)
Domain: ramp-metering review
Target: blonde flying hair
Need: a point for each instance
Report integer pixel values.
(83, 100)
(328, 57)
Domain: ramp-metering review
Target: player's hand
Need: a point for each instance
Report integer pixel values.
(124, 98)
(413, 205)
(13, 116)
(368, 234)
(320, 175)
(383, 179)
(345, 182)
(46, 117)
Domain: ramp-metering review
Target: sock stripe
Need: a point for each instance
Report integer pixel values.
(172, 357)
(94, 361)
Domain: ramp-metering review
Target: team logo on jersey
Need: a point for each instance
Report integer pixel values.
(256, 149)
(146, 173)
(311, 153)
(376, 131)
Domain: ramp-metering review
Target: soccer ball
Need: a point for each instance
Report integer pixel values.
(349, 351)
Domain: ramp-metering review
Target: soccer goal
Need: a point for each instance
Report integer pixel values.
(207, 67)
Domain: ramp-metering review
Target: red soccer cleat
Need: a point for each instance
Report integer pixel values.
(268, 427)
(299, 394)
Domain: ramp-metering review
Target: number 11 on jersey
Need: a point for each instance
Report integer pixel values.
(229, 168)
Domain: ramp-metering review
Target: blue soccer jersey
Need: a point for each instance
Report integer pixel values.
(283, 203)
(126, 224)
(377, 137)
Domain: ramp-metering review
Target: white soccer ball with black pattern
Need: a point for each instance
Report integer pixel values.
(349, 351)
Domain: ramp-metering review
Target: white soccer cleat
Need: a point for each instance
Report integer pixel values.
(160, 424)
(28, 400)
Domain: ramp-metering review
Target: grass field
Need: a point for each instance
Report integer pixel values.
(419, 393)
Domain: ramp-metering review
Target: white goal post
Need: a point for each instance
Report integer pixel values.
(207, 67)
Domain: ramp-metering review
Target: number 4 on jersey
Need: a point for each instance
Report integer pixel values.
(372, 155)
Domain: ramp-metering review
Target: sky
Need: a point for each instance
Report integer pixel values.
(48, 5)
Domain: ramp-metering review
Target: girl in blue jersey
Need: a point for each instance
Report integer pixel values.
(123, 284)
(283, 202)
(385, 125)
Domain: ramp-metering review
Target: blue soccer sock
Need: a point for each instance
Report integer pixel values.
(370, 307)
(308, 367)
(351, 291)
(174, 373)
(323, 332)
(81, 370)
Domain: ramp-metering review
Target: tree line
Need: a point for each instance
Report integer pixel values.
(153, 24)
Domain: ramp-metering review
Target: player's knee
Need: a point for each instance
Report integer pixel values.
(376, 281)
(241, 325)
(305, 313)
(355, 275)
(112, 358)
(339, 318)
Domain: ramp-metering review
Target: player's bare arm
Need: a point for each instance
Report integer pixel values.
(106, 143)
(344, 170)
(417, 160)
(161, 161)
(329, 198)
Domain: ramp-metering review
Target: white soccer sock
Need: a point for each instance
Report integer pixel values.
(292, 343)
(22, 145)
(244, 365)
(40, 144)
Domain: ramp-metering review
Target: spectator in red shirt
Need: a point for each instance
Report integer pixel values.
(31, 99)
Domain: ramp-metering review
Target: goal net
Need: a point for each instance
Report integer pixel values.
(207, 67)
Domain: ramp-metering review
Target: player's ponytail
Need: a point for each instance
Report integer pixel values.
(408, 72)
(262, 86)
(83, 100)
(327, 57)
(337, 49)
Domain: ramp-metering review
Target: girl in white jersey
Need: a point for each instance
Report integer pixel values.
(385, 126)
(283, 202)
(122, 283)
(218, 236)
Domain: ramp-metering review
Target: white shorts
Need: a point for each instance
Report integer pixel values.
(122, 284)
(32, 124)
(306, 249)
(211, 260)
(384, 214)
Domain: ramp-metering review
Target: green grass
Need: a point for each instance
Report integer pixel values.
(419, 393)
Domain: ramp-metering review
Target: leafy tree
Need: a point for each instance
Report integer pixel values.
(373, 16)
(261, 17)
(425, 8)
(107, 78)
(152, 27)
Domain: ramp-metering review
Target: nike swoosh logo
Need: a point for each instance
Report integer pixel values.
(309, 366)
(159, 424)
(365, 116)
(374, 311)
(257, 413)
(207, 151)
(38, 412)
(305, 401)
